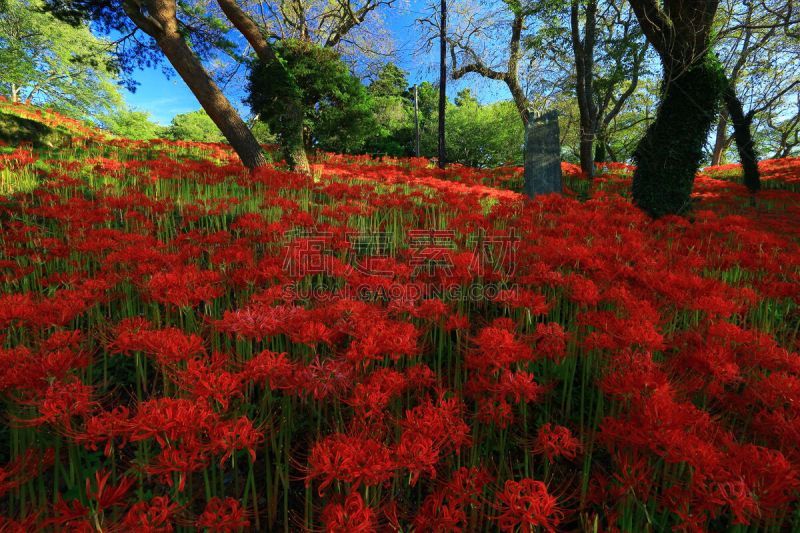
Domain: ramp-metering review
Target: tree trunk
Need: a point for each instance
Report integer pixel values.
(14, 93)
(294, 146)
(442, 82)
(583, 50)
(416, 122)
(245, 25)
(744, 138)
(670, 153)
(212, 100)
(158, 19)
(721, 138)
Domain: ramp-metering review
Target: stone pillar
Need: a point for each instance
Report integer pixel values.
(542, 154)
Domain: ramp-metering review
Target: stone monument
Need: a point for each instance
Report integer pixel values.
(542, 154)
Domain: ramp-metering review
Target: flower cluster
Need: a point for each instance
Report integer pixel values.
(164, 365)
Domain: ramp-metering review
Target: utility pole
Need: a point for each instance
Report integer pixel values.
(416, 122)
(442, 80)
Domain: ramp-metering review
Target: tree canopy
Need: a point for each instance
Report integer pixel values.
(49, 62)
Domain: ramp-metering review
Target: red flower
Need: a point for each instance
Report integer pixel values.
(556, 441)
(225, 516)
(524, 505)
(153, 516)
(105, 494)
(353, 460)
(354, 516)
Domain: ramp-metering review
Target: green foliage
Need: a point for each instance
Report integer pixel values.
(465, 98)
(484, 135)
(671, 151)
(477, 135)
(48, 61)
(194, 126)
(393, 112)
(132, 124)
(335, 107)
(262, 133)
(391, 81)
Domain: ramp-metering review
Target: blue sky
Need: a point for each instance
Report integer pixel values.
(166, 96)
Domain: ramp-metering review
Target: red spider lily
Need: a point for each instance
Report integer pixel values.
(181, 461)
(525, 505)
(24, 468)
(442, 423)
(103, 493)
(103, 428)
(276, 370)
(457, 322)
(62, 401)
(634, 475)
(497, 348)
(436, 514)
(556, 441)
(23, 525)
(15, 308)
(383, 338)
(72, 515)
(30, 373)
(418, 454)
(256, 322)
(227, 437)
(374, 393)
(551, 341)
(224, 516)
(736, 495)
(446, 508)
(17, 159)
(495, 412)
(671, 343)
(208, 380)
(184, 286)
(356, 460)
(168, 346)
(153, 516)
(517, 387)
(353, 516)
(328, 378)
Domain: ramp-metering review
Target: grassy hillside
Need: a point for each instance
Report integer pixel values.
(186, 345)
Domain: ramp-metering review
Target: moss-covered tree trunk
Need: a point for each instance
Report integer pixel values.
(600, 150)
(743, 137)
(671, 151)
(294, 146)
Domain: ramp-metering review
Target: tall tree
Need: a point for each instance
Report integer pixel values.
(164, 22)
(327, 25)
(620, 67)
(466, 48)
(48, 61)
(583, 49)
(291, 117)
(393, 110)
(669, 155)
(442, 82)
(336, 113)
(761, 55)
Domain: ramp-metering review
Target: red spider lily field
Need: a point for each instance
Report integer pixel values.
(385, 346)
